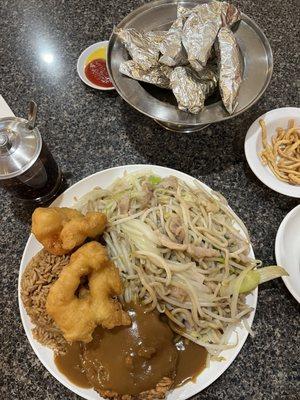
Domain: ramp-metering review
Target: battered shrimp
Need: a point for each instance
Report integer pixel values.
(78, 317)
(62, 229)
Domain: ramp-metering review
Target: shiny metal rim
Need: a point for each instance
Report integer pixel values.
(176, 129)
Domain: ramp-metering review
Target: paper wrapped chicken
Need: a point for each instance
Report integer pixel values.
(191, 88)
(183, 12)
(156, 38)
(157, 75)
(230, 71)
(142, 50)
(173, 52)
(201, 29)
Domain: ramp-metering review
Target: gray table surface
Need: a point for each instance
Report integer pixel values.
(88, 131)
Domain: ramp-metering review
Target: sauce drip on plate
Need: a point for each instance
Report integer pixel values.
(70, 365)
(130, 360)
(97, 73)
(191, 361)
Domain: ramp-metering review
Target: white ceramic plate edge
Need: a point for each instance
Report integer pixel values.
(81, 65)
(207, 376)
(263, 173)
(278, 255)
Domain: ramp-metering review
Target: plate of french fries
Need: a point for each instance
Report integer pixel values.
(272, 148)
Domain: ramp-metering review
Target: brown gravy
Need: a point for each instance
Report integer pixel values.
(70, 365)
(191, 361)
(130, 360)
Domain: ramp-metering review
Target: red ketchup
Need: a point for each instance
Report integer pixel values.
(97, 73)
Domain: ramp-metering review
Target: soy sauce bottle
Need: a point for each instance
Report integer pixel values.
(27, 168)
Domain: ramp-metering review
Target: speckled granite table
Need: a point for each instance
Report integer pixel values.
(88, 131)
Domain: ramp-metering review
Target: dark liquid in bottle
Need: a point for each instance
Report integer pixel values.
(40, 183)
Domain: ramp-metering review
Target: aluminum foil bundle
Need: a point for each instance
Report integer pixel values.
(156, 38)
(183, 12)
(201, 29)
(157, 75)
(230, 14)
(230, 71)
(222, 8)
(191, 88)
(140, 47)
(173, 52)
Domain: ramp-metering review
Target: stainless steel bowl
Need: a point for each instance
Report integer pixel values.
(256, 54)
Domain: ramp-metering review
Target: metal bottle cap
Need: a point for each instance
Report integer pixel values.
(20, 146)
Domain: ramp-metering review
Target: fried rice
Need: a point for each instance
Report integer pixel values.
(40, 273)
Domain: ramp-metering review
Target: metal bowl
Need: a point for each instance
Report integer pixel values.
(158, 103)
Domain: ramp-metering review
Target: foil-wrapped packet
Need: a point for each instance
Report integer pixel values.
(173, 52)
(183, 12)
(156, 38)
(201, 29)
(228, 12)
(230, 71)
(191, 88)
(157, 75)
(141, 49)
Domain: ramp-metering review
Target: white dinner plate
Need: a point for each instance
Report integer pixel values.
(81, 63)
(104, 179)
(253, 146)
(287, 250)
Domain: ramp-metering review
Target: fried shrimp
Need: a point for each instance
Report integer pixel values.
(77, 317)
(62, 229)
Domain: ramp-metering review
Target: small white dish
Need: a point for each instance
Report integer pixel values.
(81, 64)
(253, 146)
(287, 250)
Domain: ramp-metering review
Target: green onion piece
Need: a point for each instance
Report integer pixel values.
(154, 180)
(260, 275)
(272, 272)
(250, 282)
